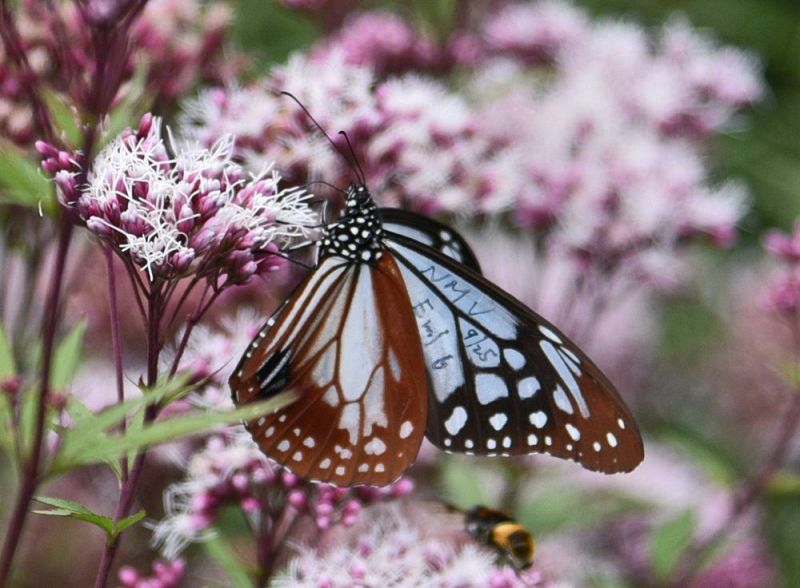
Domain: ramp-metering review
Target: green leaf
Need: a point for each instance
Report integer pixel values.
(27, 420)
(127, 523)
(705, 452)
(668, 543)
(73, 455)
(64, 117)
(128, 112)
(782, 528)
(95, 428)
(7, 365)
(22, 181)
(224, 557)
(67, 356)
(6, 425)
(558, 508)
(459, 484)
(75, 510)
(289, 32)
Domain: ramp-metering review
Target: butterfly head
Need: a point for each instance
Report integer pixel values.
(358, 200)
(358, 234)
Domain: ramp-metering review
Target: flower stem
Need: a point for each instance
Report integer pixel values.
(30, 473)
(15, 50)
(116, 344)
(127, 493)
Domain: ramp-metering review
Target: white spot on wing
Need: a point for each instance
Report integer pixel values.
(498, 421)
(350, 419)
(571, 354)
(527, 387)
(298, 456)
(374, 411)
(340, 470)
(490, 387)
(612, 441)
(550, 334)
(406, 429)
(379, 467)
(491, 444)
(325, 463)
(573, 432)
(394, 366)
(360, 339)
(331, 397)
(514, 358)
(621, 423)
(573, 367)
(323, 370)
(375, 447)
(566, 375)
(538, 419)
(283, 445)
(532, 439)
(309, 442)
(561, 400)
(456, 421)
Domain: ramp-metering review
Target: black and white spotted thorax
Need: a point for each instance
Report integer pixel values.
(358, 234)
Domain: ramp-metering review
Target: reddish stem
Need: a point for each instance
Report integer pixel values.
(127, 494)
(116, 344)
(14, 48)
(30, 474)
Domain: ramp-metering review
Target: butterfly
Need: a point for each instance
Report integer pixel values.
(395, 335)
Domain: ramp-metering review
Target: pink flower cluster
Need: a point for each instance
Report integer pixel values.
(65, 167)
(165, 575)
(194, 211)
(535, 32)
(784, 292)
(173, 43)
(329, 505)
(591, 133)
(231, 469)
(395, 548)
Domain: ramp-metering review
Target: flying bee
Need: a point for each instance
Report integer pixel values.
(512, 541)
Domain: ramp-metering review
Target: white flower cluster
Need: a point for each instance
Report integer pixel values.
(195, 211)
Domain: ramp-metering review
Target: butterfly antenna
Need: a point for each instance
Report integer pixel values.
(324, 183)
(362, 177)
(356, 168)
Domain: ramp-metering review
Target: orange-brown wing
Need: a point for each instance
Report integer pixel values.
(347, 342)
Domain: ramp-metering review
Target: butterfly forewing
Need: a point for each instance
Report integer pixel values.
(503, 379)
(429, 232)
(347, 343)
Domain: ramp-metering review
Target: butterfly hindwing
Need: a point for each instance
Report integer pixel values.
(429, 232)
(503, 379)
(357, 367)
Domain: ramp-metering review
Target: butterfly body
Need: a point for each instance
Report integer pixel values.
(394, 336)
(357, 236)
